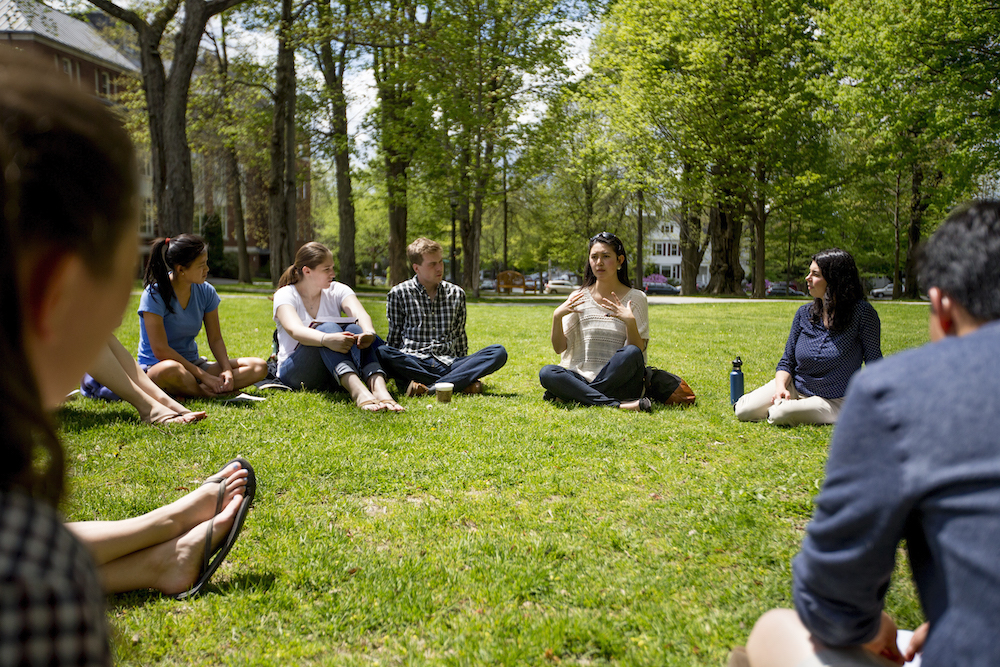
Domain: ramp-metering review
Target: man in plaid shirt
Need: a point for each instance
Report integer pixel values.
(427, 342)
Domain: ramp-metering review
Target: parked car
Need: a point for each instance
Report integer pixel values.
(778, 289)
(883, 292)
(660, 288)
(487, 284)
(559, 287)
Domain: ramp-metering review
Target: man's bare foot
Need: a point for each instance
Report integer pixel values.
(181, 559)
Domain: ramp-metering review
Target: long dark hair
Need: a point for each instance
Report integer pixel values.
(311, 254)
(843, 288)
(69, 184)
(610, 239)
(164, 255)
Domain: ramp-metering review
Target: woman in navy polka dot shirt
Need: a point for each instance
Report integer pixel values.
(830, 339)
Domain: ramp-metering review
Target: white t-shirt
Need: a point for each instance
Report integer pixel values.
(330, 301)
(593, 337)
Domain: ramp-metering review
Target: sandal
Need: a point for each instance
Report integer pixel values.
(210, 565)
(172, 418)
(392, 406)
(374, 401)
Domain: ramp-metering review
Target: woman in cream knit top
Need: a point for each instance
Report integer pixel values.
(601, 332)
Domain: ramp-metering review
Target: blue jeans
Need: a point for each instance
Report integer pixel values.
(315, 367)
(619, 380)
(462, 372)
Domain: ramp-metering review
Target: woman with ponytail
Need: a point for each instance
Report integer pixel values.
(314, 350)
(175, 303)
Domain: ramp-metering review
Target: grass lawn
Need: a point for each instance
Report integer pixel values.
(499, 529)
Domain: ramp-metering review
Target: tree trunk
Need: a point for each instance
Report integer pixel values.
(166, 102)
(726, 230)
(692, 248)
(236, 204)
(897, 288)
(333, 68)
(639, 271)
(396, 174)
(282, 235)
(759, 223)
(920, 200)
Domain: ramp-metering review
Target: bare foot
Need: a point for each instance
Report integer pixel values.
(391, 405)
(181, 559)
(175, 406)
(199, 505)
(166, 416)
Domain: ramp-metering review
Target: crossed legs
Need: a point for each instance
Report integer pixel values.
(162, 549)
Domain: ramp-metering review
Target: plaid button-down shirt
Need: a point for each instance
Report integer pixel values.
(51, 603)
(426, 328)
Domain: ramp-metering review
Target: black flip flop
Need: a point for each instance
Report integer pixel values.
(210, 564)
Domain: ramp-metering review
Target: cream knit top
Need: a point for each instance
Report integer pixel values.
(593, 336)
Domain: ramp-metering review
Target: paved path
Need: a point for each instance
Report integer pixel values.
(539, 300)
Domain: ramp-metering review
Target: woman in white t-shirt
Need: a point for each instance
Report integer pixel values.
(601, 331)
(317, 347)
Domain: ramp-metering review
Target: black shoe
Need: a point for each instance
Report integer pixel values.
(272, 383)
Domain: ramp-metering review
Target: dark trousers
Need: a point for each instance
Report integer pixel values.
(320, 368)
(462, 372)
(619, 380)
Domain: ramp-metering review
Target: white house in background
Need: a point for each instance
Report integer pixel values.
(663, 250)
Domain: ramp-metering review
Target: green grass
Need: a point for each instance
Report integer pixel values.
(499, 529)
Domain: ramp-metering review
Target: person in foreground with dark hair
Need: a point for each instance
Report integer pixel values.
(175, 303)
(68, 216)
(829, 340)
(601, 332)
(906, 466)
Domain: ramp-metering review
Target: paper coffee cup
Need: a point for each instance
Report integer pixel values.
(443, 391)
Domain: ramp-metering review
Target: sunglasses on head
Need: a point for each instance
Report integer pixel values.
(608, 237)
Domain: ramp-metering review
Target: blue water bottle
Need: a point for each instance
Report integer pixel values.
(736, 381)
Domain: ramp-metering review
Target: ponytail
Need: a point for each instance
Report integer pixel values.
(292, 275)
(164, 255)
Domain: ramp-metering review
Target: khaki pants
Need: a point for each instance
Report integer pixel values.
(756, 406)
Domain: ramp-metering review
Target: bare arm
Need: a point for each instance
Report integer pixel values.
(292, 323)
(353, 307)
(570, 305)
(213, 331)
(782, 382)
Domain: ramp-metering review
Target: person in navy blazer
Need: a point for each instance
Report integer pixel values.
(915, 456)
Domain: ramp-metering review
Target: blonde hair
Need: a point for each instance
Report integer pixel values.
(312, 255)
(415, 251)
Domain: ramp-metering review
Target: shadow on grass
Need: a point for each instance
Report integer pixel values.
(243, 582)
(75, 420)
